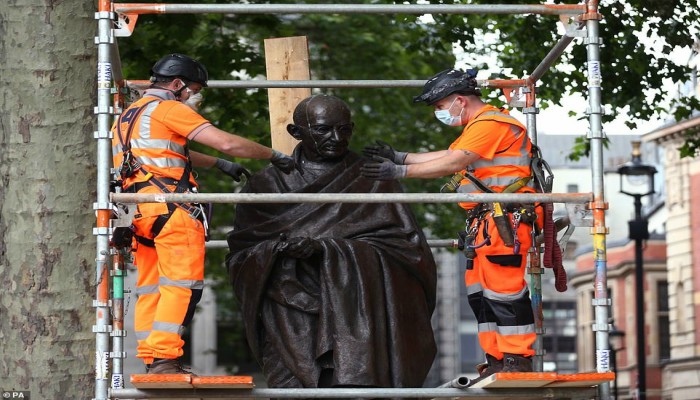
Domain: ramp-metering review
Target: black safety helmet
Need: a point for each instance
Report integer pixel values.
(180, 66)
(446, 83)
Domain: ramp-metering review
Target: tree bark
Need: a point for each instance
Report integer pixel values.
(47, 187)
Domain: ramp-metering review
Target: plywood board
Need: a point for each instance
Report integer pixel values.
(285, 59)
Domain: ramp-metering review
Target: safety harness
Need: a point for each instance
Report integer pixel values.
(131, 166)
(542, 179)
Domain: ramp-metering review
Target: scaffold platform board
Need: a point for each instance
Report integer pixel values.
(516, 380)
(189, 381)
(542, 379)
(582, 379)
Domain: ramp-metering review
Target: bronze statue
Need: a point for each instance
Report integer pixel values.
(332, 294)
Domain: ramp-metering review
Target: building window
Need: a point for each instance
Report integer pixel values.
(572, 188)
(560, 340)
(663, 320)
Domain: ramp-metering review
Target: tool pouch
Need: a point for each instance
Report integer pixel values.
(503, 225)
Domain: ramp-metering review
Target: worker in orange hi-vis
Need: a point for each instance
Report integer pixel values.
(150, 148)
(492, 154)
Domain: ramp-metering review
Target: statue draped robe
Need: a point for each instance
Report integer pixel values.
(359, 308)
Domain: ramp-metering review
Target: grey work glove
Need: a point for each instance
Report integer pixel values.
(283, 162)
(382, 169)
(298, 247)
(232, 169)
(383, 149)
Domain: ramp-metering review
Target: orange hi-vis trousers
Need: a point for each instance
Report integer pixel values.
(170, 279)
(498, 293)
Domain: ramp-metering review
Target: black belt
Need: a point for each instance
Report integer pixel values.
(136, 187)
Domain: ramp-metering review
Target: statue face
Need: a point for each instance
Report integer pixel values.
(328, 129)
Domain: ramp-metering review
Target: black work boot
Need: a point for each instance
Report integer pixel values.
(167, 366)
(516, 363)
(490, 367)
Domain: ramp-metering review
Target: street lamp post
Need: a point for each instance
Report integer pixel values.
(637, 180)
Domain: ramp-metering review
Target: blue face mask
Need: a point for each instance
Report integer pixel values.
(447, 118)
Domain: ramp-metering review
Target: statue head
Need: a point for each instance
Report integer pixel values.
(324, 126)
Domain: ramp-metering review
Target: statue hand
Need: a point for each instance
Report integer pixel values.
(300, 247)
(383, 149)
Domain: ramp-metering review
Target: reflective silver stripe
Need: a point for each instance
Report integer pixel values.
(516, 330)
(498, 114)
(163, 144)
(475, 288)
(183, 283)
(146, 289)
(166, 327)
(145, 120)
(505, 330)
(164, 162)
(491, 295)
(142, 335)
(469, 187)
(487, 327)
(521, 161)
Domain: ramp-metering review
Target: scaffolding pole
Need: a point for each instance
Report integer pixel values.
(109, 69)
(601, 301)
(420, 9)
(103, 207)
(350, 197)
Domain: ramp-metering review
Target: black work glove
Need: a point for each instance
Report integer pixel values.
(283, 162)
(232, 169)
(382, 169)
(383, 149)
(122, 236)
(298, 247)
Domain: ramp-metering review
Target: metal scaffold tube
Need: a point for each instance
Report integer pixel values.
(547, 9)
(349, 197)
(103, 207)
(445, 243)
(601, 302)
(336, 83)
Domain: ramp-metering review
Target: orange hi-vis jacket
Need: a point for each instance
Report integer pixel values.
(159, 135)
(504, 147)
(497, 291)
(171, 273)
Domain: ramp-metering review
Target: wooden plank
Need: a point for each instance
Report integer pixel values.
(285, 59)
(162, 381)
(584, 379)
(223, 382)
(516, 380)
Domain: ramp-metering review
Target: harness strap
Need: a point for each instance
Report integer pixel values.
(181, 185)
(133, 115)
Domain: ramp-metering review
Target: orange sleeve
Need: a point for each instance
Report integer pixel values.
(483, 138)
(178, 117)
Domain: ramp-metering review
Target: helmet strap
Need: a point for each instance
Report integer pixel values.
(178, 93)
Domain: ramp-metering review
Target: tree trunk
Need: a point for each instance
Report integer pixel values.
(47, 187)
